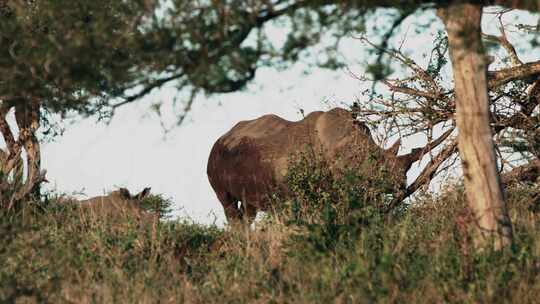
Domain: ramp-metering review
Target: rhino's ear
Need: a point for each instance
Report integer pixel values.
(124, 193)
(143, 193)
(394, 149)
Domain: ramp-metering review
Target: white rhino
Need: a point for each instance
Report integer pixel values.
(250, 162)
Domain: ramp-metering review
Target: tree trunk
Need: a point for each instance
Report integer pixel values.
(27, 118)
(11, 163)
(475, 142)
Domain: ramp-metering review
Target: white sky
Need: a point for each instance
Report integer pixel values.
(131, 151)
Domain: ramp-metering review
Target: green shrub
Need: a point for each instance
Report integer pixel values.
(158, 204)
(334, 208)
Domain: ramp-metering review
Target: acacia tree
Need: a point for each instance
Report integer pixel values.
(423, 102)
(475, 141)
(57, 57)
(476, 146)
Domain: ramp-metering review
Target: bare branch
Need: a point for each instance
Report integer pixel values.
(504, 76)
(411, 91)
(425, 176)
(503, 41)
(396, 54)
(417, 153)
(429, 171)
(187, 106)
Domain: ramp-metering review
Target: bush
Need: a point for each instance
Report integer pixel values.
(333, 208)
(57, 252)
(158, 204)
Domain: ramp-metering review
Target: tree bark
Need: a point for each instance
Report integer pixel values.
(14, 187)
(28, 118)
(475, 142)
(11, 163)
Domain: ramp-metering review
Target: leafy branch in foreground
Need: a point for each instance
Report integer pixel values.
(58, 57)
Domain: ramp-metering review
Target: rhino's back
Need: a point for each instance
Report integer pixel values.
(270, 130)
(110, 206)
(251, 159)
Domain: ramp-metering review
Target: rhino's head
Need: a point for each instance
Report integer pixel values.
(124, 194)
(118, 203)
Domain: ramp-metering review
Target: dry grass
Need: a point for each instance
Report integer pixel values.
(420, 255)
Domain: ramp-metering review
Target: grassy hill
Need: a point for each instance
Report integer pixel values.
(313, 251)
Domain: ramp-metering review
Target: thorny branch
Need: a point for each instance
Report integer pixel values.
(422, 103)
(503, 40)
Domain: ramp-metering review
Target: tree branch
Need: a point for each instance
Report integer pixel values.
(425, 177)
(503, 40)
(504, 76)
(417, 153)
(146, 90)
(429, 171)
(410, 91)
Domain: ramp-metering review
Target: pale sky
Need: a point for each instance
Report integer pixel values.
(131, 152)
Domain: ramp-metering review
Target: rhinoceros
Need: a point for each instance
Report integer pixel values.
(119, 204)
(251, 161)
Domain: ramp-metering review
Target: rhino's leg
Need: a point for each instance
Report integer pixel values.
(249, 213)
(230, 206)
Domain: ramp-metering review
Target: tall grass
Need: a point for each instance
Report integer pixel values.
(347, 252)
